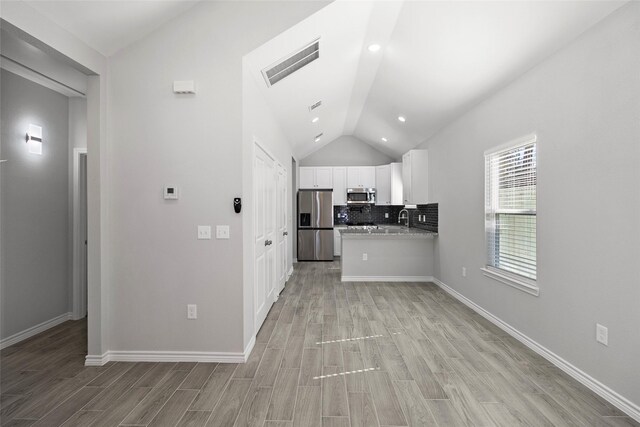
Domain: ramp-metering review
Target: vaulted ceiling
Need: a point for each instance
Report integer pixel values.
(437, 59)
(110, 25)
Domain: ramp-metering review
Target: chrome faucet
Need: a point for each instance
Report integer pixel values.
(405, 217)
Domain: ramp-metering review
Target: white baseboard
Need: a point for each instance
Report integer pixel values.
(387, 278)
(34, 330)
(170, 356)
(617, 400)
(289, 273)
(249, 348)
(96, 360)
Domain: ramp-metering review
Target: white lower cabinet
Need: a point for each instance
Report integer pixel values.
(337, 242)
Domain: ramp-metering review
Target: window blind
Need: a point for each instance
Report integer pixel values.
(510, 208)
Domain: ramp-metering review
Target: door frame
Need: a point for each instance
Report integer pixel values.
(79, 289)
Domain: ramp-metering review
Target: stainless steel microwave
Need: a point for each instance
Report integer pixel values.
(361, 196)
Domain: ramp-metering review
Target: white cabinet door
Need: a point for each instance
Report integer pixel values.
(395, 170)
(383, 185)
(361, 177)
(368, 176)
(415, 177)
(312, 178)
(353, 177)
(406, 178)
(307, 178)
(337, 248)
(339, 186)
(324, 177)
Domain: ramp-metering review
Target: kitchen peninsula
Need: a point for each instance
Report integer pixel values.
(387, 254)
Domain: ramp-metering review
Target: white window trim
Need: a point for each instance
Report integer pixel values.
(514, 280)
(523, 140)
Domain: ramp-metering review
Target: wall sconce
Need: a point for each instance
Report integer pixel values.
(34, 139)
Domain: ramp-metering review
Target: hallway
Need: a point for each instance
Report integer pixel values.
(329, 354)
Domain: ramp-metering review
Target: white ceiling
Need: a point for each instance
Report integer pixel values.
(110, 25)
(438, 59)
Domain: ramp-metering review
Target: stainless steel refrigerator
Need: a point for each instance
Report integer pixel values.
(315, 225)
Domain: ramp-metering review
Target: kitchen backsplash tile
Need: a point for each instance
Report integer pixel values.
(430, 212)
(376, 214)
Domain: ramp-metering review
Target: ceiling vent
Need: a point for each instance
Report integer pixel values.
(314, 106)
(292, 63)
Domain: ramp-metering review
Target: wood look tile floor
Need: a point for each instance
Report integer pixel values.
(329, 354)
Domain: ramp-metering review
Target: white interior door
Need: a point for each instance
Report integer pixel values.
(264, 234)
(281, 233)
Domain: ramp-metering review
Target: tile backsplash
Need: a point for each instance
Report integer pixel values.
(376, 214)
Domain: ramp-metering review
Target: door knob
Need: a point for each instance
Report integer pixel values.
(286, 233)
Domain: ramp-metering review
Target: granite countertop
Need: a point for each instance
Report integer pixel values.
(383, 231)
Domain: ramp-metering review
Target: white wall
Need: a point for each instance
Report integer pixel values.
(584, 105)
(195, 142)
(35, 211)
(346, 151)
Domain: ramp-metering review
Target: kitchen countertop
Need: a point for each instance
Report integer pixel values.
(387, 231)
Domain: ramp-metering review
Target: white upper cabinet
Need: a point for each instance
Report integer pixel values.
(307, 178)
(383, 185)
(389, 184)
(316, 178)
(339, 186)
(415, 177)
(361, 177)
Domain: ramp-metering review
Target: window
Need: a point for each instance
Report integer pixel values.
(510, 213)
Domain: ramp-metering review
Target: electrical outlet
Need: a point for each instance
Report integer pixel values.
(464, 271)
(602, 334)
(204, 232)
(365, 257)
(192, 311)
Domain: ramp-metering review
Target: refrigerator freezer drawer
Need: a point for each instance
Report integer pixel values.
(315, 245)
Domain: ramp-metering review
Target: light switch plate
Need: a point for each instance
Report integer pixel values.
(204, 232)
(222, 231)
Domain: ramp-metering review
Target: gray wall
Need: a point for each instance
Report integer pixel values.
(346, 151)
(157, 266)
(584, 105)
(34, 206)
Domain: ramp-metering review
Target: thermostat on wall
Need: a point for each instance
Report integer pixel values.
(171, 192)
(184, 86)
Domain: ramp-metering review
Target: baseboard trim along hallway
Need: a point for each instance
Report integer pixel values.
(387, 279)
(582, 377)
(34, 330)
(171, 356)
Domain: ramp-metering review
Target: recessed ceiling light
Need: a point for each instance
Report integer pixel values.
(315, 119)
(374, 47)
(384, 139)
(317, 138)
(402, 119)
